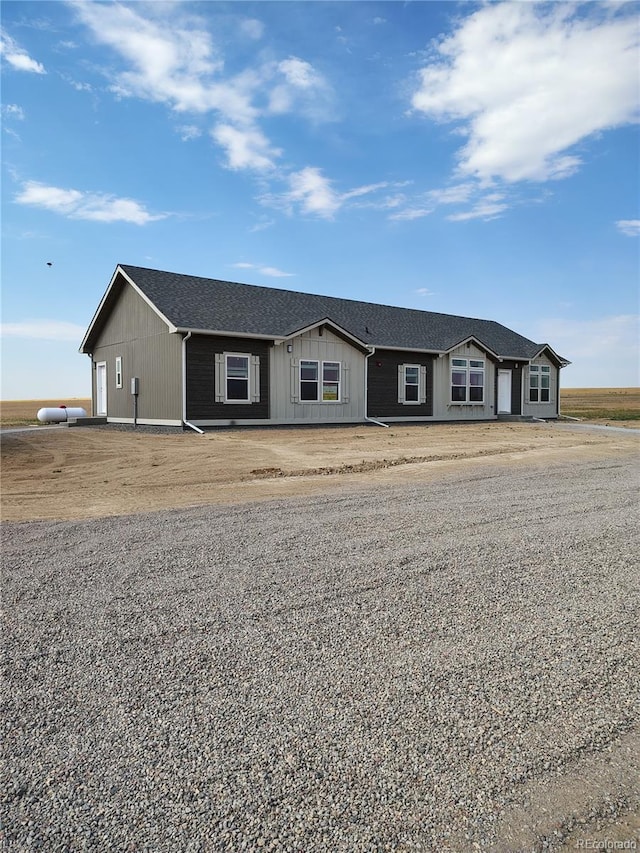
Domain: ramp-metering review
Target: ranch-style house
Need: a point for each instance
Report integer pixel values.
(184, 351)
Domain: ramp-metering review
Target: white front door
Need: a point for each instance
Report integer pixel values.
(101, 388)
(504, 392)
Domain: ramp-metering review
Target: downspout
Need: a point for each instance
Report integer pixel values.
(366, 391)
(184, 386)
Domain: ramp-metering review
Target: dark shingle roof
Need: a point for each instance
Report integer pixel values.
(191, 302)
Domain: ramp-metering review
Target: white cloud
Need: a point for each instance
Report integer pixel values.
(301, 88)
(17, 57)
(272, 272)
(252, 28)
(168, 64)
(457, 194)
(484, 206)
(313, 192)
(264, 223)
(424, 291)
(531, 80)
(13, 111)
(172, 59)
(489, 207)
(44, 330)
(189, 131)
(246, 148)
(410, 213)
(598, 349)
(629, 227)
(98, 207)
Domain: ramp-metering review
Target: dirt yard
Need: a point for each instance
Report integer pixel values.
(84, 472)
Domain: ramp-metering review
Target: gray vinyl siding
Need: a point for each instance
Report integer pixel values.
(541, 410)
(202, 405)
(383, 381)
(286, 407)
(149, 352)
(443, 408)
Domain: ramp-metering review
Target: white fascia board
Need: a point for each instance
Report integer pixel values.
(333, 325)
(120, 271)
(407, 349)
(228, 334)
(473, 339)
(561, 361)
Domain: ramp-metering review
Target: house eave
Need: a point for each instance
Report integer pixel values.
(227, 333)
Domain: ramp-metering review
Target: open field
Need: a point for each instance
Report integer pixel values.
(602, 405)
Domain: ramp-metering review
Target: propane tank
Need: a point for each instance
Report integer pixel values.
(59, 415)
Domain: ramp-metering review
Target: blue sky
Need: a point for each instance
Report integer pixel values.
(474, 159)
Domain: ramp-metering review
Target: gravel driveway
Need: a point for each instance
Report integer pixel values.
(413, 668)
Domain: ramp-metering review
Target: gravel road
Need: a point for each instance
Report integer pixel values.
(425, 667)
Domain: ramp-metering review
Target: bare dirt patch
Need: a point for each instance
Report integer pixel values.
(86, 472)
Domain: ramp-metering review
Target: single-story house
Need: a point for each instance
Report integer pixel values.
(179, 350)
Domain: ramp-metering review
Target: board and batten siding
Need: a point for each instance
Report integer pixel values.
(443, 408)
(204, 407)
(541, 410)
(384, 378)
(135, 333)
(314, 345)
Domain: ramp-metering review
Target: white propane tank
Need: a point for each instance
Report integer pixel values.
(62, 413)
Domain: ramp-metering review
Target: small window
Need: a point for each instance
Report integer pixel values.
(467, 380)
(412, 383)
(237, 378)
(539, 383)
(309, 381)
(118, 371)
(330, 381)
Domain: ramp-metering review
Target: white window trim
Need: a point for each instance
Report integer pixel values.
(118, 371)
(404, 379)
(246, 355)
(539, 370)
(467, 368)
(339, 384)
(320, 381)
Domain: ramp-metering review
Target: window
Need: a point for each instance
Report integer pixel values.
(539, 383)
(237, 378)
(331, 381)
(411, 383)
(467, 380)
(118, 371)
(310, 381)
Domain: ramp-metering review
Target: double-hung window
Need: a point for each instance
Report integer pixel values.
(411, 383)
(319, 381)
(237, 378)
(467, 380)
(539, 383)
(118, 371)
